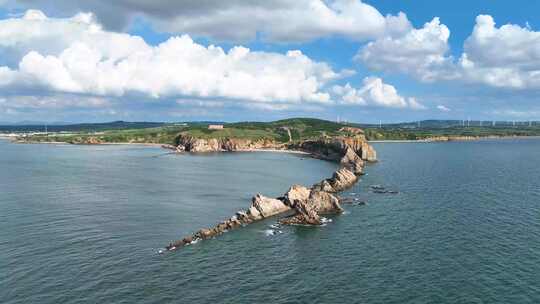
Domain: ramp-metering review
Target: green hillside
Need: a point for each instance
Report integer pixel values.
(300, 129)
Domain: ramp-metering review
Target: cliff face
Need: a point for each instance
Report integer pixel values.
(305, 205)
(335, 147)
(191, 144)
(329, 148)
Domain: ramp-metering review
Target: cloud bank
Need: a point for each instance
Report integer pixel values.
(505, 57)
(241, 20)
(56, 57)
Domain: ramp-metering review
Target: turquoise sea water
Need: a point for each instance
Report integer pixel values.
(82, 224)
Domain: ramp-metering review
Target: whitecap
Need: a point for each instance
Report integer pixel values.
(269, 232)
(325, 220)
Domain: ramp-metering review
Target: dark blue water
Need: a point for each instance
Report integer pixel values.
(81, 224)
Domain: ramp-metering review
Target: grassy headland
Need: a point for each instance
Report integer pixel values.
(299, 129)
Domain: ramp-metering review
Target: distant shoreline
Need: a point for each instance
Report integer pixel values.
(451, 139)
(147, 145)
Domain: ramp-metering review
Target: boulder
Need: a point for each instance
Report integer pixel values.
(205, 233)
(368, 153)
(253, 213)
(343, 179)
(243, 217)
(309, 205)
(295, 194)
(323, 186)
(352, 161)
(222, 227)
(268, 206)
(187, 240)
(305, 215)
(180, 148)
(324, 202)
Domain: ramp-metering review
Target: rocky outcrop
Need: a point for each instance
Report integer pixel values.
(89, 140)
(268, 207)
(305, 206)
(309, 204)
(296, 194)
(188, 143)
(305, 215)
(325, 202)
(352, 161)
(368, 153)
(342, 179)
(334, 148)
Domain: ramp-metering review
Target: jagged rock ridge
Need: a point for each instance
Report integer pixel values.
(304, 206)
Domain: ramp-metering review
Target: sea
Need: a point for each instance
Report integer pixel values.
(85, 224)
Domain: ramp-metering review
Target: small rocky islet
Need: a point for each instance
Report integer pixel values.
(300, 205)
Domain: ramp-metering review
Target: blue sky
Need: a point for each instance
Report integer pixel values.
(363, 61)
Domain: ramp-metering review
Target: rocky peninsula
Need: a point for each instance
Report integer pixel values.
(300, 205)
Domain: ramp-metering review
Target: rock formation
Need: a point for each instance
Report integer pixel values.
(304, 206)
(186, 142)
(267, 207)
(309, 204)
(89, 140)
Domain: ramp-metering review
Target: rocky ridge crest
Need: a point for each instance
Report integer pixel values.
(300, 205)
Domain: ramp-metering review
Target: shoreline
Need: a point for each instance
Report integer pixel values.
(300, 205)
(299, 152)
(441, 139)
(457, 139)
(257, 150)
(70, 144)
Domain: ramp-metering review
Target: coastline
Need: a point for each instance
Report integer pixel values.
(452, 139)
(300, 205)
(66, 143)
(409, 141)
(289, 151)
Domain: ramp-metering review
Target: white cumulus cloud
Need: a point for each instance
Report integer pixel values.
(75, 55)
(374, 92)
(241, 20)
(502, 57)
(420, 52)
(508, 56)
